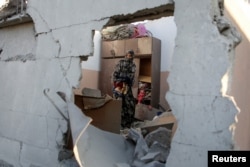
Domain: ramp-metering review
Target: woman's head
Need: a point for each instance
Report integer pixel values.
(130, 54)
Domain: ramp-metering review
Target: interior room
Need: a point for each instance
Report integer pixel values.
(152, 39)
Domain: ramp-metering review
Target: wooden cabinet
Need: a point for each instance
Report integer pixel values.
(112, 49)
(147, 60)
(141, 46)
(118, 48)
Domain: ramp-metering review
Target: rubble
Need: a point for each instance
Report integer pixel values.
(93, 98)
(147, 143)
(151, 151)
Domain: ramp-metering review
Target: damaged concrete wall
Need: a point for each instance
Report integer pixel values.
(41, 57)
(31, 130)
(47, 56)
(203, 54)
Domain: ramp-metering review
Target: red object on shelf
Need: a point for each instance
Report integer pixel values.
(141, 95)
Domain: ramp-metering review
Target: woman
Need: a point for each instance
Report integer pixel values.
(123, 78)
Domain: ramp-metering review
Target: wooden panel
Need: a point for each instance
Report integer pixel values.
(144, 46)
(106, 47)
(141, 46)
(107, 68)
(145, 66)
(131, 44)
(156, 68)
(119, 48)
(144, 78)
(107, 117)
(110, 49)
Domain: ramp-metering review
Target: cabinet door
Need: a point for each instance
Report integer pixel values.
(105, 82)
(119, 48)
(106, 47)
(131, 44)
(112, 48)
(145, 46)
(141, 46)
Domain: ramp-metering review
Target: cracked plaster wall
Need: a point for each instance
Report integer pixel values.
(203, 54)
(30, 127)
(46, 55)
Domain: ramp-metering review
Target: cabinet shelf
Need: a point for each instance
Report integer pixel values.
(144, 78)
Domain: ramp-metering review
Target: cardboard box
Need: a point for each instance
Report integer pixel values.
(104, 110)
(107, 117)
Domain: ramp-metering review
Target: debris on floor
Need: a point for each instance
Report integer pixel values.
(152, 140)
(151, 150)
(146, 144)
(92, 98)
(166, 119)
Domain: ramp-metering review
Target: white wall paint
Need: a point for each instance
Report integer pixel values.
(93, 62)
(240, 11)
(165, 30)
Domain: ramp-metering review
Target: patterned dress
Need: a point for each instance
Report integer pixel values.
(123, 77)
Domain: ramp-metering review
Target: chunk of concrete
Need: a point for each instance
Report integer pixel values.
(94, 147)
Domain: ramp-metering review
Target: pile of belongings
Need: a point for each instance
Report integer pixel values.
(125, 32)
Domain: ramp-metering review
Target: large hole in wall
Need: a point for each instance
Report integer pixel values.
(110, 45)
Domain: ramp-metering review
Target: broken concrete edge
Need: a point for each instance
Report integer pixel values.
(15, 20)
(166, 120)
(78, 124)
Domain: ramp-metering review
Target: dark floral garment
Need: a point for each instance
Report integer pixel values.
(125, 71)
(123, 76)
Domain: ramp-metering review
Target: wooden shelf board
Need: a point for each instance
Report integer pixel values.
(144, 78)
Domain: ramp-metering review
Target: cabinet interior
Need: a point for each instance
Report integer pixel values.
(145, 70)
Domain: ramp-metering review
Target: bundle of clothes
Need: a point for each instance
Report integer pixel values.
(144, 93)
(125, 32)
